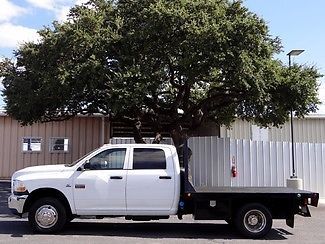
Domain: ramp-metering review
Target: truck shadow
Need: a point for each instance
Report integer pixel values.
(20, 228)
(163, 230)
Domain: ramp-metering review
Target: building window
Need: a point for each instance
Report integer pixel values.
(32, 144)
(59, 144)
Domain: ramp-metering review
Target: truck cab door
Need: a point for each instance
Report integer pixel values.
(150, 188)
(100, 188)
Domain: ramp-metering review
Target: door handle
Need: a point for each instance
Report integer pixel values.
(116, 177)
(165, 177)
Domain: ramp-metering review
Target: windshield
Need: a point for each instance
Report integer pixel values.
(78, 160)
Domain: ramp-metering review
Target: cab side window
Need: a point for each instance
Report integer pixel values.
(149, 158)
(109, 159)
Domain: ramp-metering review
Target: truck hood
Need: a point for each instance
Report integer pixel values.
(39, 169)
(46, 168)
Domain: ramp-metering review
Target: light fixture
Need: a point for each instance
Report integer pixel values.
(294, 52)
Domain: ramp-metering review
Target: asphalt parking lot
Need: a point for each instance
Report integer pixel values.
(117, 230)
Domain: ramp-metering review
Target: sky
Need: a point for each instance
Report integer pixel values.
(300, 24)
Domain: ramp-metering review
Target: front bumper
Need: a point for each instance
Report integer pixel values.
(16, 204)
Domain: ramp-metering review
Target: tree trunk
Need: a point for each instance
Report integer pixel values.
(179, 136)
(137, 132)
(157, 139)
(156, 127)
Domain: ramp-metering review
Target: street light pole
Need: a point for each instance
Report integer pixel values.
(292, 147)
(293, 53)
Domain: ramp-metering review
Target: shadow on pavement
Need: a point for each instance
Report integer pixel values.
(16, 227)
(20, 228)
(162, 230)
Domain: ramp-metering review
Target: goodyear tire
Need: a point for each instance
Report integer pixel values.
(253, 220)
(47, 215)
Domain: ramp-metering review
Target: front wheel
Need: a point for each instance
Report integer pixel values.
(47, 215)
(254, 220)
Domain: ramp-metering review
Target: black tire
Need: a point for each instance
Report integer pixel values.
(47, 215)
(253, 220)
(70, 218)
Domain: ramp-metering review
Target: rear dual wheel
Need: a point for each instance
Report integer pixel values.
(253, 220)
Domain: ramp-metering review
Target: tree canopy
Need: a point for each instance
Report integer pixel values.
(169, 63)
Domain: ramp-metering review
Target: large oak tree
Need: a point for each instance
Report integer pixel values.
(167, 62)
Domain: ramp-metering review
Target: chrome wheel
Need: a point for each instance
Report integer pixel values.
(46, 216)
(254, 221)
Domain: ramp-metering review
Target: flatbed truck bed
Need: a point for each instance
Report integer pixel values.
(250, 209)
(247, 190)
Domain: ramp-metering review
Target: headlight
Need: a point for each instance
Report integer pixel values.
(19, 187)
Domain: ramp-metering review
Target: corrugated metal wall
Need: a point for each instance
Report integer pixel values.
(305, 130)
(240, 129)
(129, 140)
(309, 129)
(209, 163)
(84, 134)
(259, 163)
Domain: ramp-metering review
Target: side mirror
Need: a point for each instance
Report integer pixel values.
(87, 165)
(84, 166)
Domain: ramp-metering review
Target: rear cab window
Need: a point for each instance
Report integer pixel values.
(149, 158)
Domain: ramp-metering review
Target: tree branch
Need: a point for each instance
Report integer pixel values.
(172, 75)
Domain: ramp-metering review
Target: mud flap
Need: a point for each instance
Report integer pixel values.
(291, 221)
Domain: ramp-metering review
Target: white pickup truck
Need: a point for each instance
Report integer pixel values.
(144, 182)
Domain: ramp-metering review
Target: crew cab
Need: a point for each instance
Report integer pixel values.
(145, 182)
